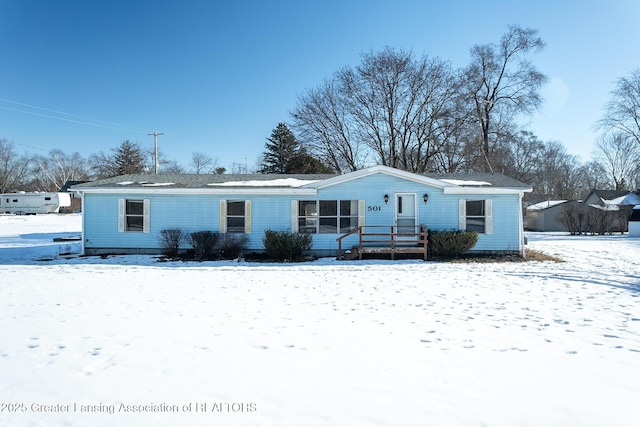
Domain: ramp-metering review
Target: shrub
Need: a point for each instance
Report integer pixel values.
(170, 240)
(231, 245)
(285, 246)
(204, 244)
(451, 243)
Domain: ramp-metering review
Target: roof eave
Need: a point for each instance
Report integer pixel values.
(486, 190)
(265, 191)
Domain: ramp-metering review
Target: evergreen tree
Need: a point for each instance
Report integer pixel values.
(284, 154)
(280, 148)
(128, 158)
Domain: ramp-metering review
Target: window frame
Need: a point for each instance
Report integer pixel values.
(487, 217)
(232, 217)
(477, 223)
(326, 219)
(225, 216)
(124, 215)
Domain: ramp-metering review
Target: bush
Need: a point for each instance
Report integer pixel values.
(285, 246)
(231, 245)
(204, 244)
(170, 240)
(451, 243)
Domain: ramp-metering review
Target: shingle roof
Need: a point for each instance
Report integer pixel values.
(610, 194)
(276, 180)
(200, 181)
(494, 179)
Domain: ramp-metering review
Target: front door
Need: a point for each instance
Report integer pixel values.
(406, 215)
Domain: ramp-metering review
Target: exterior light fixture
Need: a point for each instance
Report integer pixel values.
(425, 198)
(386, 199)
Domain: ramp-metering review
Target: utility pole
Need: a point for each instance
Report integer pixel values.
(155, 150)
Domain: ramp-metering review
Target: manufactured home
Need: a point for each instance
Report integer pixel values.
(127, 214)
(23, 203)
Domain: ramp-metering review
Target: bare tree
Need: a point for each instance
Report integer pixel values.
(619, 155)
(325, 127)
(392, 109)
(622, 112)
(170, 166)
(520, 157)
(14, 168)
(502, 83)
(592, 176)
(51, 172)
(560, 173)
(202, 163)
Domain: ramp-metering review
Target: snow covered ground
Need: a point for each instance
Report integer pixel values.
(129, 341)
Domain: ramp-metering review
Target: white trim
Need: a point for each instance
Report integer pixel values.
(225, 191)
(361, 213)
(488, 216)
(521, 227)
(247, 216)
(121, 215)
(146, 215)
(484, 190)
(462, 214)
(223, 216)
(294, 216)
(380, 169)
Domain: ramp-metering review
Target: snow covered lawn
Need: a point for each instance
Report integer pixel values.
(129, 341)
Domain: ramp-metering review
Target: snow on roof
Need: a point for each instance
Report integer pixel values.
(146, 183)
(615, 201)
(545, 204)
(606, 207)
(464, 182)
(282, 182)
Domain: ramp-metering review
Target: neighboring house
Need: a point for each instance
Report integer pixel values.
(602, 211)
(126, 214)
(612, 201)
(547, 216)
(76, 200)
(605, 197)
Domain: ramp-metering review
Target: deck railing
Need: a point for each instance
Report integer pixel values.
(388, 239)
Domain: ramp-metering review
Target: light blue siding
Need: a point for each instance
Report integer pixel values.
(195, 212)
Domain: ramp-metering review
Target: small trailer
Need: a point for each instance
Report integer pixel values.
(23, 203)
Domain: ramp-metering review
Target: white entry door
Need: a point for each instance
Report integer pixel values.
(406, 213)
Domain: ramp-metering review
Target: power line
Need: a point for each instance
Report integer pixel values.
(99, 123)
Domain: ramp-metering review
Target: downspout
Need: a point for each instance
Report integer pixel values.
(521, 224)
(83, 225)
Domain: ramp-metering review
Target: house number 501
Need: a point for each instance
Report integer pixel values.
(374, 208)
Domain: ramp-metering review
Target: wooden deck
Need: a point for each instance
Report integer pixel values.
(391, 240)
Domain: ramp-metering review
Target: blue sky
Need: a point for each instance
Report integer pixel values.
(218, 77)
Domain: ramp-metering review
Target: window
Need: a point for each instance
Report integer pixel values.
(348, 215)
(476, 215)
(307, 216)
(235, 216)
(134, 215)
(327, 216)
